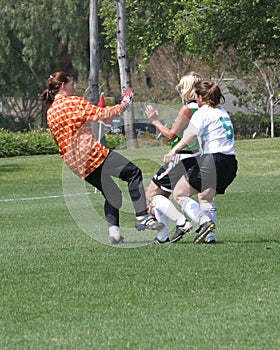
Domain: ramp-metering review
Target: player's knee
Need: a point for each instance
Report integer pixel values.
(154, 190)
(151, 191)
(207, 195)
(180, 192)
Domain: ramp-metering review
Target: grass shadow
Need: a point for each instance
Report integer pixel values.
(9, 168)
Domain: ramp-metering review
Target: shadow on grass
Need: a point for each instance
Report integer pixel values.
(251, 241)
(260, 241)
(9, 168)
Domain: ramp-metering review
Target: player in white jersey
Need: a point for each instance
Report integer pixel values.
(217, 166)
(169, 174)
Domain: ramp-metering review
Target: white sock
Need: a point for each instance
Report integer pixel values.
(190, 207)
(114, 231)
(163, 234)
(166, 207)
(211, 211)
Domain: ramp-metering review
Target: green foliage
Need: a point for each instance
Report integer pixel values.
(149, 25)
(230, 24)
(118, 141)
(26, 143)
(245, 126)
(266, 124)
(37, 38)
(115, 141)
(9, 122)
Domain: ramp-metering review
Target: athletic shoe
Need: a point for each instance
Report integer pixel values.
(210, 242)
(203, 231)
(113, 240)
(158, 241)
(180, 231)
(150, 222)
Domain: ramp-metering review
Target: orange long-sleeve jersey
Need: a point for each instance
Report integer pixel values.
(69, 119)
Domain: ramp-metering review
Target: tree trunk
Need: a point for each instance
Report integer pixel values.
(92, 91)
(125, 75)
(271, 93)
(271, 117)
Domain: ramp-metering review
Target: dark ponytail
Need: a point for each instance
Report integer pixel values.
(210, 92)
(53, 85)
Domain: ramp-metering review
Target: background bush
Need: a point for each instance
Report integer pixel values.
(245, 126)
(26, 143)
(118, 141)
(115, 141)
(42, 142)
(15, 124)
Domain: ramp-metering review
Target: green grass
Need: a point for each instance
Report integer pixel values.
(61, 289)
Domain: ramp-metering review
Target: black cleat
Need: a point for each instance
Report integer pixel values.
(180, 231)
(203, 231)
(150, 222)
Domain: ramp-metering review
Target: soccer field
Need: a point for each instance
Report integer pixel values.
(62, 288)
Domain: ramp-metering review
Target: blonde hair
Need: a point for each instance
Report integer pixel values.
(186, 85)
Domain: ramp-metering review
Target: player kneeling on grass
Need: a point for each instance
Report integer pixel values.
(70, 121)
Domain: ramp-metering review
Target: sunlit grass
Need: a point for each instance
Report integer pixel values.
(62, 289)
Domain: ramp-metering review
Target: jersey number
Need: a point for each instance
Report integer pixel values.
(227, 125)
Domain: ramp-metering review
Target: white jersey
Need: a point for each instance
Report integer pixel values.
(214, 130)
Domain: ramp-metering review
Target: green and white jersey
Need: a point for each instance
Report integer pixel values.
(194, 146)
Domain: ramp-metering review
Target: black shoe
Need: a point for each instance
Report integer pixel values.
(113, 240)
(150, 222)
(203, 231)
(180, 231)
(158, 241)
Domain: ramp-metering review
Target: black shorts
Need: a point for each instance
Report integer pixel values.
(213, 170)
(169, 174)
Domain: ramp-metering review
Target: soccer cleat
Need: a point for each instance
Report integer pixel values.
(203, 231)
(158, 241)
(180, 231)
(113, 240)
(150, 222)
(210, 242)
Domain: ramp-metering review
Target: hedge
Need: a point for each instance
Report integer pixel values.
(42, 142)
(245, 126)
(26, 143)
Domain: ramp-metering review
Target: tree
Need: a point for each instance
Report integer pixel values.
(92, 91)
(148, 24)
(41, 36)
(232, 29)
(37, 38)
(125, 75)
(270, 75)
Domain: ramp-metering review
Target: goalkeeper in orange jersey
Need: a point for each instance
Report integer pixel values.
(69, 118)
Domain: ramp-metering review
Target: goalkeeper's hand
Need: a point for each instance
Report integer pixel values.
(127, 98)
